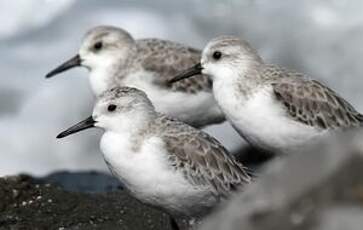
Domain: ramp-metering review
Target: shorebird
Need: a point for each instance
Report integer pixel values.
(271, 107)
(162, 162)
(115, 58)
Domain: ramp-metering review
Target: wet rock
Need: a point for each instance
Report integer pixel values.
(25, 203)
(320, 188)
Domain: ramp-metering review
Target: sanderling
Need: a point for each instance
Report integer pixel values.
(271, 107)
(161, 161)
(115, 58)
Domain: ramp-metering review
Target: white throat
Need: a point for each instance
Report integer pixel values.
(105, 69)
(101, 79)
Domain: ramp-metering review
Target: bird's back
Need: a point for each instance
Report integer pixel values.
(190, 100)
(167, 59)
(311, 102)
(201, 158)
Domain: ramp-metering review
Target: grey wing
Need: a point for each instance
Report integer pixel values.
(204, 161)
(314, 104)
(168, 59)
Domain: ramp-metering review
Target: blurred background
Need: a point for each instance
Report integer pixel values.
(321, 38)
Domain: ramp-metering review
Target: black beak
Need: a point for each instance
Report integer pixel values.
(197, 69)
(85, 124)
(73, 62)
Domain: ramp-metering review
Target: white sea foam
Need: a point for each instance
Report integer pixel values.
(21, 16)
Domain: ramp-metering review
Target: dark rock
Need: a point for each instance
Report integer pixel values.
(320, 188)
(26, 203)
(91, 182)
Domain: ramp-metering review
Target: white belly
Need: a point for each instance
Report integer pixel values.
(263, 122)
(150, 178)
(198, 109)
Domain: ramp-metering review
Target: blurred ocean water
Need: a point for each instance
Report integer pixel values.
(321, 38)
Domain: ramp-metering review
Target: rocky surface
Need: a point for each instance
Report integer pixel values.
(26, 203)
(320, 188)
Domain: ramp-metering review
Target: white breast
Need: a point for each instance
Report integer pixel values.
(195, 109)
(262, 120)
(147, 174)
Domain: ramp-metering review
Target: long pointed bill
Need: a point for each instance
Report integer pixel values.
(85, 124)
(197, 69)
(73, 62)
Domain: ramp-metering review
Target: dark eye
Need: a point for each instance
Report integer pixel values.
(217, 55)
(97, 46)
(111, 108)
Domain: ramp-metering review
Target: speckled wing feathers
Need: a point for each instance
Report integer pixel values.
(168, 59)
(202, 159)
(314, 104)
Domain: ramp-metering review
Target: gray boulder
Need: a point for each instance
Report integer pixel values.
(320, 187)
